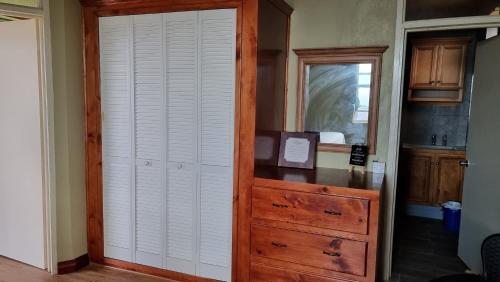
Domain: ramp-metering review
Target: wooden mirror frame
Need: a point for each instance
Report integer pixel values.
(354, 55)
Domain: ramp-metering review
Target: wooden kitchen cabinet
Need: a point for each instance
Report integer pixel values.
(449, 181)
(420, 177)
(433, 176)
(437, 70)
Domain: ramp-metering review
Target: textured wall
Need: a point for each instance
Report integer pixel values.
(67, 70)
(341, 23)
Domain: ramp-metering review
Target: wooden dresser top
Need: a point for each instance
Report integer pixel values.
(321, 176)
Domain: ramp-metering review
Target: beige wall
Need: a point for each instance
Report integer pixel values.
(65, 21)
(315, 23)
(342, 23)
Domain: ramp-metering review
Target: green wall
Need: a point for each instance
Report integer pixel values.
(344, 23)
(67, 68)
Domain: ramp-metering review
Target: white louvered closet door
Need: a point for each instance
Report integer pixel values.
(150, 150)
(115, 46)
(217, 51)
(168, 100)
(181, 84)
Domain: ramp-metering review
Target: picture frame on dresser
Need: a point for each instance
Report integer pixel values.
(297, 150)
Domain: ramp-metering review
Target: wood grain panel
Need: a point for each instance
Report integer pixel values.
(332, 212)
(450, 177)
(438, 64)
(73, 265)
(451, 65)
(324, 252)
(93, 133)
(247, 134)
(433, 176)
(423, 66)
(155, 271)
(420, 178)
(262, 273)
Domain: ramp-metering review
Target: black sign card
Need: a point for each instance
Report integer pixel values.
(359, 154)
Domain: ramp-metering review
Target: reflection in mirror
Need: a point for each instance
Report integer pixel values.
(338, 95)
(337, 100)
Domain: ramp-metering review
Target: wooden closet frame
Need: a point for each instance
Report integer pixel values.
(246, 76)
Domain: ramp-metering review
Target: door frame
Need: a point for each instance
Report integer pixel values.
(42, 17)
(402, 29)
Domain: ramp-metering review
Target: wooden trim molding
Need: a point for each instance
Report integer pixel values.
(73, 265)
(248, 88)
(246, 73)
(371, 55)
(177, 276)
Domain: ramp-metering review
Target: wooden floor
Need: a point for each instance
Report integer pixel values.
(13, 271)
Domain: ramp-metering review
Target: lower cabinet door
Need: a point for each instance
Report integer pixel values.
(326, 252)
(450, 179)
(419, 180)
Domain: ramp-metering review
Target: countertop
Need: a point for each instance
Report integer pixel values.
(434, 147)
(322, 176)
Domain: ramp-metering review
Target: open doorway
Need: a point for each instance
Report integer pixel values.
(27, 188)
(437, 96)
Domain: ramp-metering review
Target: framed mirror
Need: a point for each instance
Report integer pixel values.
(337, 96)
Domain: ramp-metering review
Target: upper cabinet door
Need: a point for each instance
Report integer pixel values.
(451, 65)
(437, 70)
(423, 66)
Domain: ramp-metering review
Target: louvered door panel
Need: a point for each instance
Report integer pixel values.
(217, 76)
(149, 109)
(115, 40)
(148, 213)
(218, 55)
(181, 204)
(215, 222)
(148, 75)
(181, 69)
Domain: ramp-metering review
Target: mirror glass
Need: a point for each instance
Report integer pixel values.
(337, 102)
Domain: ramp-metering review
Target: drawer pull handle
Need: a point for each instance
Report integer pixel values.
(280, 206)
(279, 245)
(330, 212)
(331, 254)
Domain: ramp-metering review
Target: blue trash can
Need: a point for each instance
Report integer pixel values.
(451, 216)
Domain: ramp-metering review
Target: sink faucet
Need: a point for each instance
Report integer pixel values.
(444, 140)
(433, 139)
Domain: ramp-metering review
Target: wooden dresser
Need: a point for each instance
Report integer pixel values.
(314, 225)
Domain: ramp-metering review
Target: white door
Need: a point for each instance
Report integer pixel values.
(21, 182)
(481, 196)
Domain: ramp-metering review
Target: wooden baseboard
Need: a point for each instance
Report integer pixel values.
(73, 265)
(177, 276)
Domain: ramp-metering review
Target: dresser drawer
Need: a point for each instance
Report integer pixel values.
(332, 212)
(261, 273)
(318, 251)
